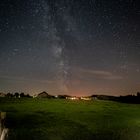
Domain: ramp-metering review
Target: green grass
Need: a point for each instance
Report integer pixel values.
(44, 119)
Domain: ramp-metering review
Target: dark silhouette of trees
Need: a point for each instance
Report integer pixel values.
(27, 95)
(63, 96)
(22, 94)
(16, 95)
(9, 95)
(138, 94)
(134, 99)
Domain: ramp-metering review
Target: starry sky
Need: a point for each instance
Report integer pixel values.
(75, 47)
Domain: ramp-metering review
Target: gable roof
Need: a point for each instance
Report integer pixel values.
(43, 94)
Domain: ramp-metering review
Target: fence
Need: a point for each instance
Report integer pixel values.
(3, 130)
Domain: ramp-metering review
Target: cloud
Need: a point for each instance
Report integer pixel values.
(23, 79)
(114, 77)
(100, 74)
(96, 72)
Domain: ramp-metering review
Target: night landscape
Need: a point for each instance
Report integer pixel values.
(69, 70)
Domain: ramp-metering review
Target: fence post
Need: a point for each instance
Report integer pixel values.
(3, 130)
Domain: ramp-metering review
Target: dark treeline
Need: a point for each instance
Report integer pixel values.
(17, 95)
(124, 99)
(130, 98)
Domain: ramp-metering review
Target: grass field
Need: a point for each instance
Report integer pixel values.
(51, 119)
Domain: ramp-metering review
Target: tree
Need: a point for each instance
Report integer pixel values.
(138, 94)
(28, 96)
(9, 95)
(16, 95)
(22, 94)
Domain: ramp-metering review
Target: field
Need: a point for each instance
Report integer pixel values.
(54, 119)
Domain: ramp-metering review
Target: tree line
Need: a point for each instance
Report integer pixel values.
(17, 95)
(124, 99)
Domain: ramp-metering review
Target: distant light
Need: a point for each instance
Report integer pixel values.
(72, 98)
(86, 98)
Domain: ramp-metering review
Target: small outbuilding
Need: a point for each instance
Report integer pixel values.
(43, 94)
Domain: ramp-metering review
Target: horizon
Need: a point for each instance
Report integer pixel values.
(73, 95)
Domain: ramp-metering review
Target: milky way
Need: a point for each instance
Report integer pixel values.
(72, 47)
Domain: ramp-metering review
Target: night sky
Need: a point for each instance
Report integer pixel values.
(75, 47)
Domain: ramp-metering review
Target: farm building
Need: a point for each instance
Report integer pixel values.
(43, 94)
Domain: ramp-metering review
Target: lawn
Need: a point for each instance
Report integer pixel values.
(54, 119)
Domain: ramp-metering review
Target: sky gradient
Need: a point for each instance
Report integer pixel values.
(76, 47)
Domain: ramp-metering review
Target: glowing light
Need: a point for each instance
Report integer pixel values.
(72, 98)
(86, 98)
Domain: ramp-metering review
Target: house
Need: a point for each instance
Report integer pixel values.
(43, 94)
